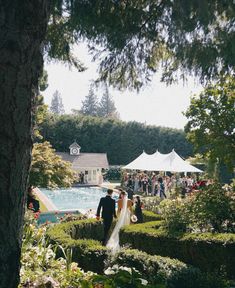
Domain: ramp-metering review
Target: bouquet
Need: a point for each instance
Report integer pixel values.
(134, 219)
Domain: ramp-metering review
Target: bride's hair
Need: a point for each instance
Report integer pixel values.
(122, 194)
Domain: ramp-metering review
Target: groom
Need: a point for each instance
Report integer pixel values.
(108, 212)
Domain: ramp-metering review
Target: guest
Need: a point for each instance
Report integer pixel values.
(136, 184)
(145, 185)
(161, 187)
(153, 184)
(32, 202)
(138, 210)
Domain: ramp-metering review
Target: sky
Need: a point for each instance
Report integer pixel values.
(158, 104)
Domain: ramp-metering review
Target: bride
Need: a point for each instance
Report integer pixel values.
(124, 207)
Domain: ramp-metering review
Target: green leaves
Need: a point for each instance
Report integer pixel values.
(211, 122)
(133, 39)
(48, 169)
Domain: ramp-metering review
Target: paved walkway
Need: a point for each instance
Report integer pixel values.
(49, 205)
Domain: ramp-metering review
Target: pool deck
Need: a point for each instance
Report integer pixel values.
(49, 205)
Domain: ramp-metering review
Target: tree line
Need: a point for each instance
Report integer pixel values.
(90, 105)
(123, 141)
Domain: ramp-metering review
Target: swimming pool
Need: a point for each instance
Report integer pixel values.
(80, 198)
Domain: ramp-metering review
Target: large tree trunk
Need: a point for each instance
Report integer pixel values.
(22, 30)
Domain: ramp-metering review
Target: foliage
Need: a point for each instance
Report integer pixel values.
(211, 252)
(48, 169)
(156, 269)
(169, 272)
(149, 216)
(57, 106)
(113, 174)
(72, 217)
(123, 141)
(213, 209)
(124, 277)
(211, 122)
(39, 107)
(39, 116)
(134, 39)
(175, 215)
(209, 210)
(90, 104)
(151, 203)
(40, 268)
(106, 106)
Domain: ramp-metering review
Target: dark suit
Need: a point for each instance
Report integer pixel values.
(108, 212)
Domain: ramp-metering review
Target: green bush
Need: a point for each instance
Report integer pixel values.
(113, 174)
(150, 216)
(81, 236)
(209, 210)
(151, 203)
(171, 273)
(212, 209)
(90, 255)
(209, 251)
(175, 215)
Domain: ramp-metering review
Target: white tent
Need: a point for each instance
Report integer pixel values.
(161, 162)
(140, 163)
(174, 163)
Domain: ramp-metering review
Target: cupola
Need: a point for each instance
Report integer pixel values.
(74, 148)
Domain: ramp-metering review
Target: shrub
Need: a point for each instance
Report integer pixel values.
(208, 251)
(175, 215)
(209, 210)
(169, 272)
(150, 216)
(151, 203)
(212, 209)
(90, 255)
(79, 236)
(40, 268)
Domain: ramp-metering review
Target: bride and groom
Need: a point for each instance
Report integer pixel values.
(107, 204)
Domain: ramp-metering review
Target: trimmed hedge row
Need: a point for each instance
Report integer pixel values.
(91, 256)
(170, 272)
(151, 216)
(210, 252)
(88, 253)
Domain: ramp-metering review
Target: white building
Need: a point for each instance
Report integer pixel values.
(90, 164)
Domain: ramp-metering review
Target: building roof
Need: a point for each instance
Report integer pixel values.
(83, 160)
(74, 145)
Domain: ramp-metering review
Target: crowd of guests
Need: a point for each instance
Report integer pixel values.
(153, 184)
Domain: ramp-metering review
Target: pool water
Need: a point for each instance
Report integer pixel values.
(81, 198)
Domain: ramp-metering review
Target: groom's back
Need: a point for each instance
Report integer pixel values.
(108, 206)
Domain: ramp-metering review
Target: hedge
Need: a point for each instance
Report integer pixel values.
(207, 251)
(170, 272)
(150, 216)
(82, 237)
(91, 256)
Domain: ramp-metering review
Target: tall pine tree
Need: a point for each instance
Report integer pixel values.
(57, 106)
(106, 106)
(89, 105)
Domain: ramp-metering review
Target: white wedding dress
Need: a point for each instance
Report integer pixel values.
(124, 219)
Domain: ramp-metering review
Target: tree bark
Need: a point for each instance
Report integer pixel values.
(22, 30)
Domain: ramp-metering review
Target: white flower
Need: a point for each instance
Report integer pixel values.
(143, 281)
(109, 271)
